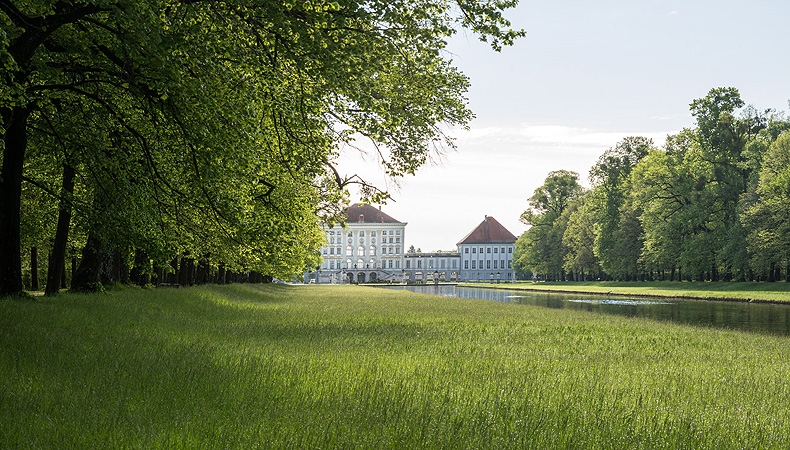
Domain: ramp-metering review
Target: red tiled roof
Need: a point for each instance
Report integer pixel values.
(362, 213)
(489, 231)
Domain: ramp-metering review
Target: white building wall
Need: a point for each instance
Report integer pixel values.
(481, 261)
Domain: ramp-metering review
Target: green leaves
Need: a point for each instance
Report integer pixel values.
(213, 128)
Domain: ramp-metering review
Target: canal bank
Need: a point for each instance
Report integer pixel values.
(743, 292)
(757, 317)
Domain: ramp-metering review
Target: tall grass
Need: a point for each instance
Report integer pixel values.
(349, 367)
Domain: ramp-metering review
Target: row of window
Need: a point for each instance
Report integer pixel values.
(360, 264)
(361, 251)
(440, 264)
(488, 249)
(362, 241)
(362, 233)
(497, 264)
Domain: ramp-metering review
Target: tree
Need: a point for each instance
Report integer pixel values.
(767, 219)
(218, 123)
(579, 239)
(540, 249)
(610, 178)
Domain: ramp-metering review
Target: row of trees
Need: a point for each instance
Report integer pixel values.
(138, 134)
(712, 204)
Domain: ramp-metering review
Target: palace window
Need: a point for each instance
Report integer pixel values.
(489, 249)
(466, 250)
(495, 264)
(360, 251)
(408, 264)
(495, 249)
(474, 250)
(466, 265)
(474, 265)
(488, 264)
(397, 264)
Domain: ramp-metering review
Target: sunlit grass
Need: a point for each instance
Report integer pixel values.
(276, 366)
(756, 291)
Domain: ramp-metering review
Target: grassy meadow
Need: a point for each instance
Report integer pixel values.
(275, 366)
(777, 292)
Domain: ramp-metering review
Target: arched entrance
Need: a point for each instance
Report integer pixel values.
(361, 277)
(373, 277)
(350, 277)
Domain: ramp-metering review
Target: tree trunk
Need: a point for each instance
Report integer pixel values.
(33, 268)
(183, 271)
(57, 266)
(86, 278)
(172, 277)
(203, 271)
(15, 140)
(142, 265)
(73, 268)
(221, 274)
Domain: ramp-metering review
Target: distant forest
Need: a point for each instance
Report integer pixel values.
(713, 203)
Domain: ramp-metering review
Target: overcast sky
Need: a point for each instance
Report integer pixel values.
(586, 75)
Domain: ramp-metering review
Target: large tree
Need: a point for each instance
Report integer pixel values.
(610, 177)
(206, 127)
(767, 217)
(540, 249)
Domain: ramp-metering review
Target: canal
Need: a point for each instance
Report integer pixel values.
(754, 317)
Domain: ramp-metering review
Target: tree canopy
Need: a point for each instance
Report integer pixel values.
(711, 204)
(212, 129)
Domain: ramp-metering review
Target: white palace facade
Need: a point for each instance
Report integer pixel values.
(370, 248)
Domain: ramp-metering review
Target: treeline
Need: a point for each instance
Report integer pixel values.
(712, 204)
(141, 138)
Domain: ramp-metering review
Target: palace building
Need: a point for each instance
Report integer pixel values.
(369, 248)
(487, 252)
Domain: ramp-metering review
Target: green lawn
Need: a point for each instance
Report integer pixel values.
(274, 366)
(725, 290)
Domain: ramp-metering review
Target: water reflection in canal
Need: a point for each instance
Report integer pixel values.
(761, 318)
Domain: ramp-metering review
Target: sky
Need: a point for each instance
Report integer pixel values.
(586, 75)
